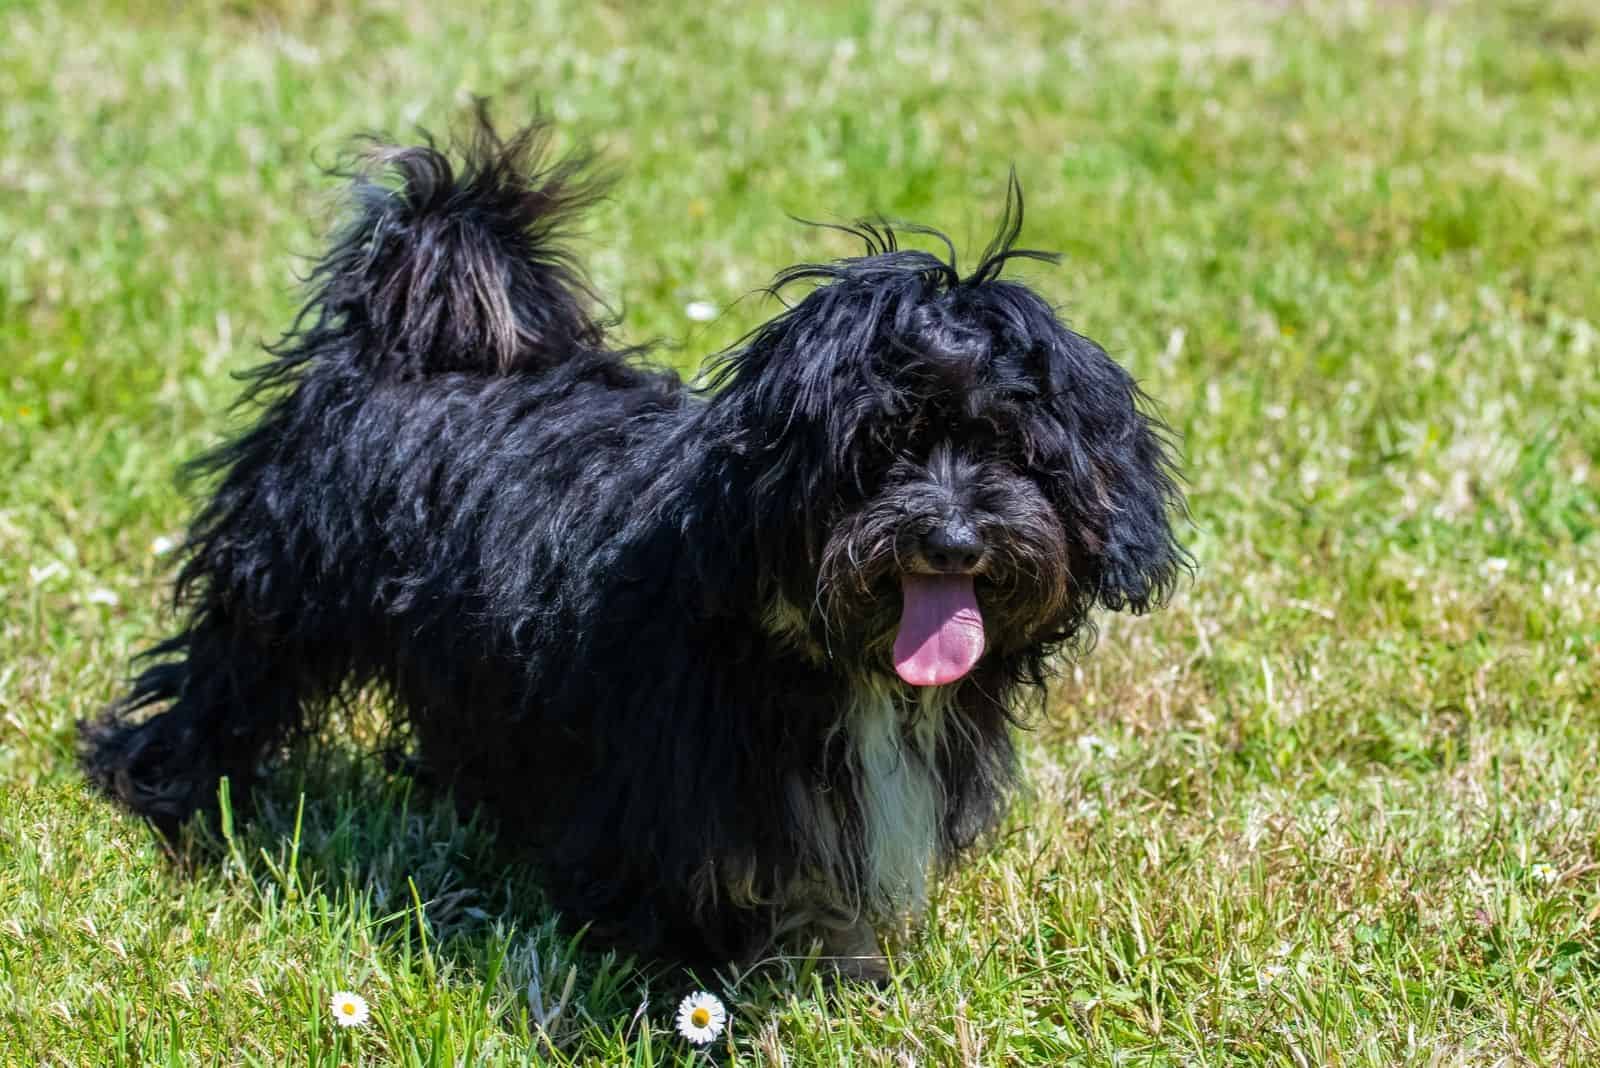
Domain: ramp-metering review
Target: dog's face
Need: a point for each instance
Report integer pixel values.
(944, 472)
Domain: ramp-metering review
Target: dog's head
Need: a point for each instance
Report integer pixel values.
(941, 470)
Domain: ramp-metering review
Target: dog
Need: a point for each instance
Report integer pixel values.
(737, 662)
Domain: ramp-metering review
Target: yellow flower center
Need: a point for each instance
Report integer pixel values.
(700, 1016)
(348, 1008)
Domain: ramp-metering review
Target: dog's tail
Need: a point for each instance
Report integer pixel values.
(454, 265)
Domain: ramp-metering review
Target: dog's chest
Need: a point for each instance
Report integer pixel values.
(893, 747)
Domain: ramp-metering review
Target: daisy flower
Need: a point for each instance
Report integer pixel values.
(1544, 873)
(349, 1010)
(701, 1017)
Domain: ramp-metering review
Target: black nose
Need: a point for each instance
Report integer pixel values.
(954, 547)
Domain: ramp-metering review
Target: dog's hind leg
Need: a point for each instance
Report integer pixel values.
(230, 698)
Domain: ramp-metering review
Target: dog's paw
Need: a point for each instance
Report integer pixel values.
(855, 955)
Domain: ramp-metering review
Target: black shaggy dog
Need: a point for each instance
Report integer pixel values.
(736, 664)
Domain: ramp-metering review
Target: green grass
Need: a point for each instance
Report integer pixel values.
(1333, 807)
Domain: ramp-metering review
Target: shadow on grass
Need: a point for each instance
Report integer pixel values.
(385, 860)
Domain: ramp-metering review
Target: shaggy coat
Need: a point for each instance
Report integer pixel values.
(667, 635)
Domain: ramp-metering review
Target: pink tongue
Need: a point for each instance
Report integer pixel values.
(941, 629)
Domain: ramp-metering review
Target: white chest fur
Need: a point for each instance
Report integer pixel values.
(894, 736)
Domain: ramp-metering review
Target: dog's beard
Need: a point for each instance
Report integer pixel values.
(878, 603)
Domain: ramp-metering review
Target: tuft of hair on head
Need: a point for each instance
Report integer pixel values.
(454, 259)
(886, 298)
(882, 254)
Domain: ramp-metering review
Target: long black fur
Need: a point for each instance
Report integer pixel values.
(632, 618)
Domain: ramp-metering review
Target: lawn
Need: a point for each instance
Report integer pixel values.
(1333, 806)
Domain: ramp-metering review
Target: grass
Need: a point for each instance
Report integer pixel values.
(1333, 807)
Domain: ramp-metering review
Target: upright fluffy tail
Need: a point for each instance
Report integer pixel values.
(455, 266)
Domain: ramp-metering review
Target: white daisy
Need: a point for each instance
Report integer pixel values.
(1094, 745)
(1544, 873)
(41, 575)
(701, 1017)
(349, 1010)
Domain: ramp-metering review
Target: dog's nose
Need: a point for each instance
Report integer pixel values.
(953, 548)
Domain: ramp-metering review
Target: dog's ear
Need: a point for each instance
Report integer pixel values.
(1109, 465)
(1106, 463)
(789, 401)
(797, 393)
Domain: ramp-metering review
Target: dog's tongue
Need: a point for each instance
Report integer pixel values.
(941, 629)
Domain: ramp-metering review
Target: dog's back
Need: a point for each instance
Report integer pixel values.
(445, 405)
